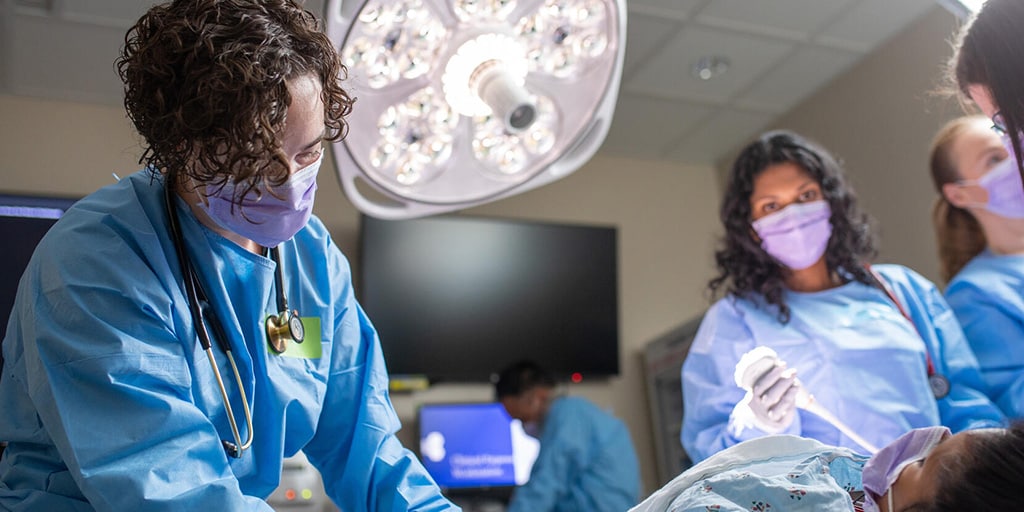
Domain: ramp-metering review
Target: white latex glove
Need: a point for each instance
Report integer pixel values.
(770, 404)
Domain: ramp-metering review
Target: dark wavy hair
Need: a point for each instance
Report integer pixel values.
(987, 475)
(205, 84)
(744, 268)
(988, 52)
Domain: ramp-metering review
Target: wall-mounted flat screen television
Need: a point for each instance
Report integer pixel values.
(475, 446)
(457, 298)
(24, 219)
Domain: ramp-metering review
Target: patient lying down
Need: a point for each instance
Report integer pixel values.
(925, 470)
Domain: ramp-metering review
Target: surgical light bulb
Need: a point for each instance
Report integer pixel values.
(394, 40)
(416, 137)
(562, 34)
(477, 10)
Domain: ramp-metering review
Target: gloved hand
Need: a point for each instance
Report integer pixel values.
(770, 404)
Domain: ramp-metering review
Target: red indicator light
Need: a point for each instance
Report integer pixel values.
(577, 377)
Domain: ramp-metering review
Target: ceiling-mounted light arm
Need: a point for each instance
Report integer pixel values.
(463, 102)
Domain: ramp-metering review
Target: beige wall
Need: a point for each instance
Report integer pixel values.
(879, 118)
(664, 212)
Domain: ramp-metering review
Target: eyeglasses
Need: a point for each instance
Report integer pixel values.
(998, 123)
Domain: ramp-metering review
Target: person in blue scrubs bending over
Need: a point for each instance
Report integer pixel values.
(586, 460)
(861, 354)
(979, 222)
(178, 333)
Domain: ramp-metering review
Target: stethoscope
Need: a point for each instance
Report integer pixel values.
(280, 328)
(938, 383)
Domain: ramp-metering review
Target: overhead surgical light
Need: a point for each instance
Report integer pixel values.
(462, 102)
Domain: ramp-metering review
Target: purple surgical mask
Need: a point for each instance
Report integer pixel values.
(1005, 189)
(274, 217)
(797, 235)
(884, 467)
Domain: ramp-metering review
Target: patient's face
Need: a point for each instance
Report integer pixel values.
(918, 482)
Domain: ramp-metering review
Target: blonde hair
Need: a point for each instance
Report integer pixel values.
(958, 233)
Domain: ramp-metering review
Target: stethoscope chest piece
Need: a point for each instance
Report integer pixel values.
(284, 327)
(939, 385)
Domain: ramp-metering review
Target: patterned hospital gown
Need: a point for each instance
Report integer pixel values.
(767, 474)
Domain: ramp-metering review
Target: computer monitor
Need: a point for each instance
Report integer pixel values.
(24, 219)
(475, 446)
(456, 298)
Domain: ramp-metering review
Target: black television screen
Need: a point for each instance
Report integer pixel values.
(457, 298)
(24, 220)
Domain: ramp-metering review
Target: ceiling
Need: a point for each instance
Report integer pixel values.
(780, 52)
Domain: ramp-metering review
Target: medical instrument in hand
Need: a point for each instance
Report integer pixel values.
(280, 328)
(938, 383)
(760, 360)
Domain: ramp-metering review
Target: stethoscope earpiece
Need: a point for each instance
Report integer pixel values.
(284, 327)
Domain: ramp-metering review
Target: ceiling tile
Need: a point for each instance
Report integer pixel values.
(667, 74)
(643, 36)
(873, 21)
(796, 78)
(645, 126)
(720, 135)
(42, 65)
(799, 18)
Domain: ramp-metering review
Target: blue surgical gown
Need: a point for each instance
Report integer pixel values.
(109, 403)
(987, 296)
(586, 463)
(853, 351)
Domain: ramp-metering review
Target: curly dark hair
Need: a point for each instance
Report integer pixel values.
(988, 475)
(744, 268)
(205, 84)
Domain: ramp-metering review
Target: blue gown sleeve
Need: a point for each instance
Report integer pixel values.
(364, 466)
(995, 335)
(109, 379)
(562, 446)
(966, 406)
(710, 392)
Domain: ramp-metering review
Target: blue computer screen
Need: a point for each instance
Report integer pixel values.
(474, 445)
